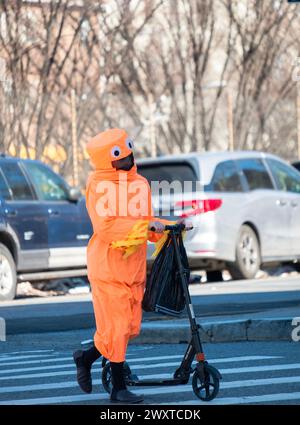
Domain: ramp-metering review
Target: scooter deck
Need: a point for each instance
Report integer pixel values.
(153, 382)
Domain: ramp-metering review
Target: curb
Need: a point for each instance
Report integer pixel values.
(168, 330)
(226, 331)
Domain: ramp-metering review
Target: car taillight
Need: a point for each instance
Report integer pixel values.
(197, 206)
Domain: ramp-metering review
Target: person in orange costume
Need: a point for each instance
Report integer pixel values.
(118, 201)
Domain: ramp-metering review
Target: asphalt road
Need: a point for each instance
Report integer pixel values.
(38, 369)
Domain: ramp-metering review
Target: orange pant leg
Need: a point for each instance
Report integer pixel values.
(137, 312)
(118, 315)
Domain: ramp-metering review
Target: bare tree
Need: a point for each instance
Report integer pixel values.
(261, 67)
(172, 69)
(160, 68)
(41, 45)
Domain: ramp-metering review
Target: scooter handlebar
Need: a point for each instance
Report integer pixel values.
(178, 227)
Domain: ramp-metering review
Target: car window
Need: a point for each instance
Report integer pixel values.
(286, 177)
(17, 182)
(4, 189)
(50, 186)
(255, 173)
(169, 172)
(226, 178)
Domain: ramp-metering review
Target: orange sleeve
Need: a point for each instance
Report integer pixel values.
(112, 229)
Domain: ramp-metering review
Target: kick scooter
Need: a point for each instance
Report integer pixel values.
(206, 378)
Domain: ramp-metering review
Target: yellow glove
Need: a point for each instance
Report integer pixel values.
(136, 237)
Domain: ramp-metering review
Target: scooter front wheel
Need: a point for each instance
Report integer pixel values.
(208, 388)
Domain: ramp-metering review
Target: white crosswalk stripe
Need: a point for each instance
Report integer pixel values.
(31, 356)
(71, 364)
(228, 385)
(132, 366)
(38, 386)
(248, 399)
(144, 359)
(26, 352)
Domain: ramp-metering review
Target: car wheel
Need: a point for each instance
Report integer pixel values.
(214, 276)
(8, 276)
(248, 258)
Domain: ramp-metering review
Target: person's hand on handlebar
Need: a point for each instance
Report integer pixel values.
(188, 225)
(156, 226)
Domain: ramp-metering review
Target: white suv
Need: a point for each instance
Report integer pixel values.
(245, 208)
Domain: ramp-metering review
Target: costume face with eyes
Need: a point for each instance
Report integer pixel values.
(111, 150)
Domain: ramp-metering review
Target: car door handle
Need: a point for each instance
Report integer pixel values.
(10, 213)
(53, 212)
(294, 204)
(281, 202)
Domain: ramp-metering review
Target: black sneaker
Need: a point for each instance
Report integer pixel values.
(125, 396)
(84, 377)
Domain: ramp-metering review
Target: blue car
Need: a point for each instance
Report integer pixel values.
(44, 225)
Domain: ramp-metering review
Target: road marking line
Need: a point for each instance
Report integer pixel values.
(225, 385)
(140, 360)
(142, 367)
(134, 366)
(3, 359)
(24, 352)
(246, 399)
(61, 399)
(37, 361)
(156, 391)
(260, 368)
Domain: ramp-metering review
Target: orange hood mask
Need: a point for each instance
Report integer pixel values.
(108, 147)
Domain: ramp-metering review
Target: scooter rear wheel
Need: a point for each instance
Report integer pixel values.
(106, 376)
(208, 389)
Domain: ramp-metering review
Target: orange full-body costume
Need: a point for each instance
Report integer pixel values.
(117, 202)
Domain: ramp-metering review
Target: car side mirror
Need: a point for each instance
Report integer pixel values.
(74, 194)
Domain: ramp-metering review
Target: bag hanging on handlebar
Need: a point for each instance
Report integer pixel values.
(164, 292)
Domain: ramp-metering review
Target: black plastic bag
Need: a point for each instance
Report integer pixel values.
(164, 292)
